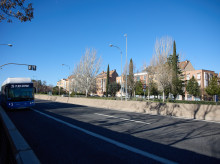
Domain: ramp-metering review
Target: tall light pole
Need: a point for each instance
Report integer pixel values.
(69, 75)
(10, 45)
(126, 68)
(121, 65)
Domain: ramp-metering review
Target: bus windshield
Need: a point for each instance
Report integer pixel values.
(20, 94)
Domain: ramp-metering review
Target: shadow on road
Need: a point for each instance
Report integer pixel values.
(161, 129)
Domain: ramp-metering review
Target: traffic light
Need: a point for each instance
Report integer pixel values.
(32, 67)
(29, 67)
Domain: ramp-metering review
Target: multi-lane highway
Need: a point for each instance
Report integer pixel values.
(67, 133)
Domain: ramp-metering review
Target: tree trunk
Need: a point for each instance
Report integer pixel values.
(163, 96)
(86, 92)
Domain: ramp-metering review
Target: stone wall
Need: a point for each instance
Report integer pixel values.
(191, 111)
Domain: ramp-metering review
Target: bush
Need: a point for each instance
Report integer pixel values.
(73, 94)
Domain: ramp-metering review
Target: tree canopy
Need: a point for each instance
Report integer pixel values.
(193, 87)
(131, 82)
(114, 88)
(213, 87)
(177, 83)
(86, 71)
(16, 9)
(139, 88)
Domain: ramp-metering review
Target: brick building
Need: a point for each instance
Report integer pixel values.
(202, 76)
(101, 80)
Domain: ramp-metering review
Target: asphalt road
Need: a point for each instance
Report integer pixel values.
(67, 133)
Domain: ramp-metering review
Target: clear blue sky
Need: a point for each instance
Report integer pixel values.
(62, 29)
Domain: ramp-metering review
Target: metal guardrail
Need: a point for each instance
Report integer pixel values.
(13, 147)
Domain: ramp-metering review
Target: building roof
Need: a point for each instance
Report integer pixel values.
(13, 80)
(104, 74)
(71, 77)
(183, 64)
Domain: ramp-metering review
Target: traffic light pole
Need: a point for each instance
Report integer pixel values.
(30, 67)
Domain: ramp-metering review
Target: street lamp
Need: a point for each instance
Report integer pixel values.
(69, 79)
(10, 45)
(125, 35)
(110, 45)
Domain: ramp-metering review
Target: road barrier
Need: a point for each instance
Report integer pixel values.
(13, 147)
(190, 111)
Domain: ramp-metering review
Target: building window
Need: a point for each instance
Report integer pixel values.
(138, 78)
(206, 76)
(198, 76)
(187, 76)
(210, 76)
(206, 83)
(144, 77)
(199, 82)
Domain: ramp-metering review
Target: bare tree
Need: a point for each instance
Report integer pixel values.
(86, 71)
(159, 66)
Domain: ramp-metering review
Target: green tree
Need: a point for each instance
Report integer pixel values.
(107, 82)
(153, 88)
(113, 88)
(131, 82)
(193, 87)
(17, 9)
(213, 87)
(177, 83)
(139, 88)
(56, 89)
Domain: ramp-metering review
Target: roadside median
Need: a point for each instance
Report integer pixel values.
(189, 111)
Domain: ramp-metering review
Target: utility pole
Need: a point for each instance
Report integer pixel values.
(126, 70)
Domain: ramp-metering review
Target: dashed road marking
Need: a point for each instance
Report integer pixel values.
(116, 143)
(122, 118)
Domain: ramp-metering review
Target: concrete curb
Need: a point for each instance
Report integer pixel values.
(22, 151)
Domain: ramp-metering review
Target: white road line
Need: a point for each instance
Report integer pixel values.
(116, 143)
(122, 118)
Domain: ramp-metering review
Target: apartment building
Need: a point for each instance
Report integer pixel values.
(62, 83)
(141, 76)
(101, 80)
(71, 84)
(202, 76)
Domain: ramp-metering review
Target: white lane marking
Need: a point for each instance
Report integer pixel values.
(122, 118)
(116, 143)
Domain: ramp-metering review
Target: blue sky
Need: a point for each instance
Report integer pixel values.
(62, 29)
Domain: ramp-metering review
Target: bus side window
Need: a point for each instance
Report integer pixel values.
(6, 91)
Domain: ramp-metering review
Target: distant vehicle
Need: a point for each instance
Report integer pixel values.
(17, 93)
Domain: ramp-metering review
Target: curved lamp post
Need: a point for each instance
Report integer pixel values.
(111, 45)
(10, 45)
